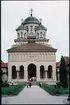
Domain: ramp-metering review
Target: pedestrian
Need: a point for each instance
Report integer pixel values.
(30, 84)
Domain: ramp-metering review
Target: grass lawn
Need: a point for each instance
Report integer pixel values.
(12, 89)
(52, 90)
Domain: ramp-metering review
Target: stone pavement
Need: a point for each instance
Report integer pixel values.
(33, 95)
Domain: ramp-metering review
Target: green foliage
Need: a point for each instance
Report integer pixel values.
(63, 73)
(12, 89)
(4, 84)
(54, 89)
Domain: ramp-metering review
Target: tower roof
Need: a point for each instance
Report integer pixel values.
(4, 65)
(21, 27)
(30, 20)
(41, 27)
(32, 47)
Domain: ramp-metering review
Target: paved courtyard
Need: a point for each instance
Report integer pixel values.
(33, 95)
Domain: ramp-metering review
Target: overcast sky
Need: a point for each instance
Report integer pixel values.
(54, 15)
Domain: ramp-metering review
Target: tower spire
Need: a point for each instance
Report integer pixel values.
(31, 10)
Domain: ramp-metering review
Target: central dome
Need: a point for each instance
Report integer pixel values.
(31, 19)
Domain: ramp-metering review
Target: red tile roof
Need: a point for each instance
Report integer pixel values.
(4, 65)
(32, 47)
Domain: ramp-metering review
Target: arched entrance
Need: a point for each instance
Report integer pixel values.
(31, 71)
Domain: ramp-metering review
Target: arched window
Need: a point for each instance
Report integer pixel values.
(42, 73)
(18, 35)
(21, 72)
(14, 72)
(31, 28)
(44, 34)
(24, 35)
(35, 28)
(21, 34)
(49, 73)
(27, 28)
(38, 35)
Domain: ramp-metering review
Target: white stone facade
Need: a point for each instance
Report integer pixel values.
(36, 58)
(42, 58)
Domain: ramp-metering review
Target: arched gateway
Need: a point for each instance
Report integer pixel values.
(31, 71)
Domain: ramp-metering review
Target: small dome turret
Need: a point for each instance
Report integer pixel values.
(21, 27)
(41, 27)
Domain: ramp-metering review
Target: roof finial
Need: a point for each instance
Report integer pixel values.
(31, 10)
(40, 21)
(22, 20)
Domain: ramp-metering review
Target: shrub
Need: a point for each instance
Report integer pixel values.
(4, 84)
(58, 86)
(55, 86)
(57, 92)
(9, 92)
(12, 89)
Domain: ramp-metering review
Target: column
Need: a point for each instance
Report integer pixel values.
(46, 75)
(46, 69)
(25, 73)
(17, 75)
(38, 73)
(17, 69)
(54, 72)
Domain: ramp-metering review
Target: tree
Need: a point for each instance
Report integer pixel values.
(63, 73)
(1, 73)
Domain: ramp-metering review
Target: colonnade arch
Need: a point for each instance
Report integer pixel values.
(31, 71)
(21, 72)
(14, 72)
(49, 72)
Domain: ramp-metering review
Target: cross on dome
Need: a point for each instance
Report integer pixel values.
(31, 10)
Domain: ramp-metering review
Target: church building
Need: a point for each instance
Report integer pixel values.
(31, 56)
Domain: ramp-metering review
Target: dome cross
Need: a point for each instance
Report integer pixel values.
(31, 10)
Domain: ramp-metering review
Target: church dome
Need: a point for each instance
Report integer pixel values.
(31, 19)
